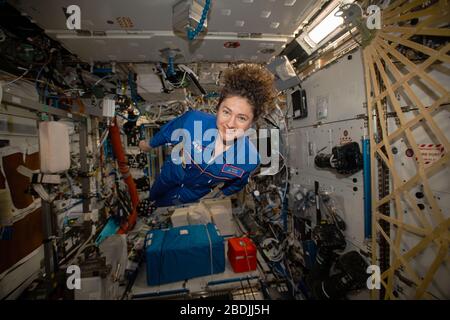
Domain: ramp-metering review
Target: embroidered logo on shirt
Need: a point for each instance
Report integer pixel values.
(234, 171)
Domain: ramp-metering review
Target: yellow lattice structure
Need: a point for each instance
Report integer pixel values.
(396, 64)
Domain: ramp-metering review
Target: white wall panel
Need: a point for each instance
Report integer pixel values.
(342, 85)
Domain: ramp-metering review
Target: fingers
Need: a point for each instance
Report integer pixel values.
(143, 145)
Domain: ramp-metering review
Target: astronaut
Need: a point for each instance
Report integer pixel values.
(213, 151)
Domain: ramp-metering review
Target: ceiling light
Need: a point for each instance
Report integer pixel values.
(323, 28)
(274, 25)
(290, 3)
(265, 14)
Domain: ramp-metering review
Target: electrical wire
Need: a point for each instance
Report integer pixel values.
(102, 139)
(104, 78)
(291, 278)
(179, 84)
(193, 33)
(251, 289)
(39, 74)
(243, 289)
(18, 78)
(285, 163)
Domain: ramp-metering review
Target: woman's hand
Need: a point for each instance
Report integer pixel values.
(143, 145)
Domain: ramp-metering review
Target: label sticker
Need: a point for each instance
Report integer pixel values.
(234, 171)
(431, 152)
(345, 138)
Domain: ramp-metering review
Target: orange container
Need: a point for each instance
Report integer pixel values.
(242, 254)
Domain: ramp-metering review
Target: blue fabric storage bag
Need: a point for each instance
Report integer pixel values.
(153, 245)
(184, 252)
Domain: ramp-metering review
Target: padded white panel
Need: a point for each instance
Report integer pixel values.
(54, 147)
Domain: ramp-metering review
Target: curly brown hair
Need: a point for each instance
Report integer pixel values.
(253, 82)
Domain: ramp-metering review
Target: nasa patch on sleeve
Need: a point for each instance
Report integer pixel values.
(234, 171)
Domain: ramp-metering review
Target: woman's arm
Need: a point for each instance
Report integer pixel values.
(164, 134)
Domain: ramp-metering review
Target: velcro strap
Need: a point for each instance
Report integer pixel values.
(26, 171)
(37, 178)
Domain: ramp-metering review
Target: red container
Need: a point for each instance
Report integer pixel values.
(242, 254)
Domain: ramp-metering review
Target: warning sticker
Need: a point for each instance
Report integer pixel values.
(345, 138)
(431, 152)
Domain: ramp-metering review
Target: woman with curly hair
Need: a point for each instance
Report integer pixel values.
(212, 151)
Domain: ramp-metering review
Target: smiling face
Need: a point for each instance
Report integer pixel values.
(234, 117)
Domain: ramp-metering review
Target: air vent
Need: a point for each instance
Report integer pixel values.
(99, 34)
(125, 22)
(225, 12)
(289, 3)
(265, 14)
(83, 33)
(274, 25)
(231, 44)
(267, 51)
(243, 35)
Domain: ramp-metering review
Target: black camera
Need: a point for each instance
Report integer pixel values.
(346, 159)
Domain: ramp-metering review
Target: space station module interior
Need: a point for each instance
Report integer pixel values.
(349, 195)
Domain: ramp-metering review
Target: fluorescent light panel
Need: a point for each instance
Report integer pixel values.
(325, 27)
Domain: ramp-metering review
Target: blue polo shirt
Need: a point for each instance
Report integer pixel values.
(188, 178)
